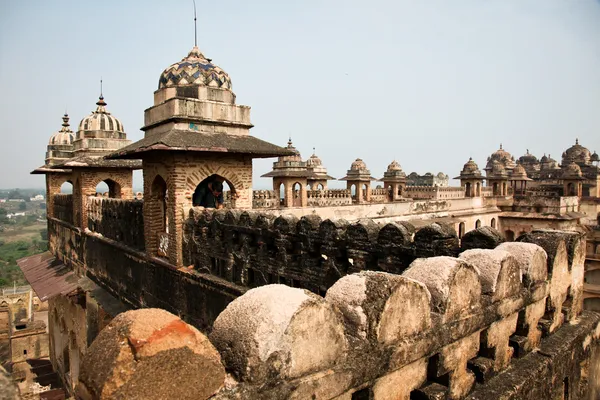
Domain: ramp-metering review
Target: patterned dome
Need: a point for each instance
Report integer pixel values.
(595, 157)
(358, 165)
(394, 166)
(195, 69)
(65, 136)
(101, 120)
(498, 169)
(577, 154)
(571, 171)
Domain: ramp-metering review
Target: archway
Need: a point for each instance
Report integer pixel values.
(320, 186)
(495, 189)
(468, 189)
(66, 188)
(353, 192)
(108, 188)
(493, 223)
(365, 192)
(477, 224)
(478, 189)
(510, 235)
(214, 192)
(297, 195)
(571, 189)
(461, 230)
(281, 194)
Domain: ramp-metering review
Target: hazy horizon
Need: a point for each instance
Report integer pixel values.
(428, 83)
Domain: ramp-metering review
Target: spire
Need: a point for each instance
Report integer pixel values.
(195, 27)
(290, 142)
(576, 140)
(527, 151)
(101, 103)
(500, 146)
(314, 152)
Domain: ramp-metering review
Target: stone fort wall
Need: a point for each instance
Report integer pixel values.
(501, 322)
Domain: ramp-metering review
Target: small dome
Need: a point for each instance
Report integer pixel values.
(577, 154)
(195, 69)
(358, 165)
(544, 159)
(595, 157)
(498, 168)
(101, 120)
(64, 136)
(470, 168)
(519, 173)
(571, 171)
(528, 158)
(394, 166)
(313, 161)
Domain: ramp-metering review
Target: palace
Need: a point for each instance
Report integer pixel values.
(408, 288)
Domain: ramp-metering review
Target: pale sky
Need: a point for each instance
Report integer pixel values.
(429, 83)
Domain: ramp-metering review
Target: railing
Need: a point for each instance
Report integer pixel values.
(63, 207)
(265, 199)
(120, 220)
(329, 197)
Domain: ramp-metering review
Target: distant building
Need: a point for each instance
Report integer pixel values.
(38, 197)
(428, 179)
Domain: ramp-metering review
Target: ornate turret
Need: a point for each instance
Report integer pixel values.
(60, 145)
(471, 178)
(395, 180)
(360, 177)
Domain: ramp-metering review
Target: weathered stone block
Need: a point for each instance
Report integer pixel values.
(499, 272)
(140, 350)
(267, 331)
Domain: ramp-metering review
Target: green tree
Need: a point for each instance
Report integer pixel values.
(22, 206)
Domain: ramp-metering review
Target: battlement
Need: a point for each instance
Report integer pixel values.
(445, 327)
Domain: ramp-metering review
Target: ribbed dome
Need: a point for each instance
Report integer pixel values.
(195, 69)
(101, 120)
(577, 154)
(358, 165)
(498, 169)
(65, 136)
(394, 166)
(571, 171)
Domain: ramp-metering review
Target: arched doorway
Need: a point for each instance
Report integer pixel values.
(493, 223)
(571, 189)
(320, 186)
(510, 235)
(297, 195)
(468, 189)
(495, 189)
(478, 189)
(108, 188)
(461, 230)
(281, 194)
(477, 224)
(353, 192)
(214, 192)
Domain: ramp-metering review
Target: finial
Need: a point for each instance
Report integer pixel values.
(101, 88)
(576, 140)
(527, 151)
(500, 146)
(313, 151)
(195, 26)
(65, 119)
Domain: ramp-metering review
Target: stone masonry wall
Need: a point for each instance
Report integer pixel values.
(253, 249)
(503, 321)
(116, 219)
(63, 207)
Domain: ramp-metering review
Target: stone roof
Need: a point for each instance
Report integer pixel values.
(46, 169)
(194, 69)
(99, 162)
(358, 172)
(571, 171)
(179, 140)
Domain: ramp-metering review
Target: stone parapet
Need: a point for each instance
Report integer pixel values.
(116, 219)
